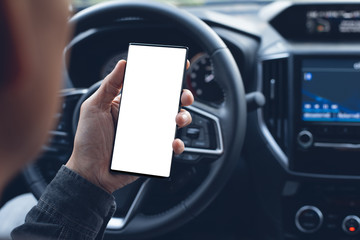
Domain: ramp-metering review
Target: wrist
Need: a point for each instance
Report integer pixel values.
(85, 173)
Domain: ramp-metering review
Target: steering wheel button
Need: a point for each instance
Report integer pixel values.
(193, 132)
(186, 141)
(200, 121)
(186, 157)
(189, 157)
(202, 133)
(200, 144)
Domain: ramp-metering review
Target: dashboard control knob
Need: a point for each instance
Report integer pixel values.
(351, 224)
(308, 219)
(305, 139)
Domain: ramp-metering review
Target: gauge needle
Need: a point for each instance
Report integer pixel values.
(209, 78)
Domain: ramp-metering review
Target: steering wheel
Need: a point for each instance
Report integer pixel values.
(225, 124)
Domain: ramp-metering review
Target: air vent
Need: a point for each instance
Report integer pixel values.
(275, 89)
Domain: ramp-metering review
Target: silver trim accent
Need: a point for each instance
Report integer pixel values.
(305, 144)
(272, 56)
(304, 208)
(120, 223)
(72, 91)
(280, 156)
(220, 148)
(337, 145)
(58, 133)
(79, 37)
(115, 223)
(354, 217)
(272, 88)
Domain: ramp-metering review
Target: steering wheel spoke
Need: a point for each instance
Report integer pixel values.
(130, 198)
(202, 138)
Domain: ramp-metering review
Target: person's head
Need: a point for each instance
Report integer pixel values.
(32, 37)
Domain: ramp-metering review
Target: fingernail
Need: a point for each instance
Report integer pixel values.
(185, 117)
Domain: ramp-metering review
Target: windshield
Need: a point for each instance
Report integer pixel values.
(86, 3)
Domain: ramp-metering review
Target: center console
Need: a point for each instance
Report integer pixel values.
(324, 133)
(321, 210)
(310, 77)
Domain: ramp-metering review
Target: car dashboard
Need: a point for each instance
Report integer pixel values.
(298, 176)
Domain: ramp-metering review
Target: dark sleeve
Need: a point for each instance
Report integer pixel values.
(70, 208)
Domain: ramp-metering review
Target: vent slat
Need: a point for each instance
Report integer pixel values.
(275, 89)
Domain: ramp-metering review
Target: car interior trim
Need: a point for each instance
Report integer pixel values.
(119, 223)
(265, 133)
(337, 145)
(220, 146)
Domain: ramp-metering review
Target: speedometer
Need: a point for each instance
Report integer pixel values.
(200, 80)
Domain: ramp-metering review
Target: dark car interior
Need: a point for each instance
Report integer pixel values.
(273, 149)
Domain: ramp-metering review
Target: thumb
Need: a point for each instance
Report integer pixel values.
(111, 86)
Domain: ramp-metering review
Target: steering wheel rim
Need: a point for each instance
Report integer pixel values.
(231, 114)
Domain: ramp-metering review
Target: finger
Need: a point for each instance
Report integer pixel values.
(187, 64)
(183, 118)
(115, 108)
(178, 146)
(111, 86)
(187, 98)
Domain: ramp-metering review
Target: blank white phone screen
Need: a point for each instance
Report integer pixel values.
(149, 104)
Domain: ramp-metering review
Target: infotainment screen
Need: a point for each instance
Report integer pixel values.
(319, 22)
(331, 90)
(333, 22)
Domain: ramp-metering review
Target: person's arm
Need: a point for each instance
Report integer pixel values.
(70, 208)
(78, 203)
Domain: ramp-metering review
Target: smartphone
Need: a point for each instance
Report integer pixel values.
(150, 101)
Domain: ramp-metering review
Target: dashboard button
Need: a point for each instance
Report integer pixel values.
(325, 131)
(351, 224)
(308, 219)
(305, 139)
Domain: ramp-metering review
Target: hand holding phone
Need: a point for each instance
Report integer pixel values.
(94, 138)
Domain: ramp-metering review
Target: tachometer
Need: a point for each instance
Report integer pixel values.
(201, 80)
